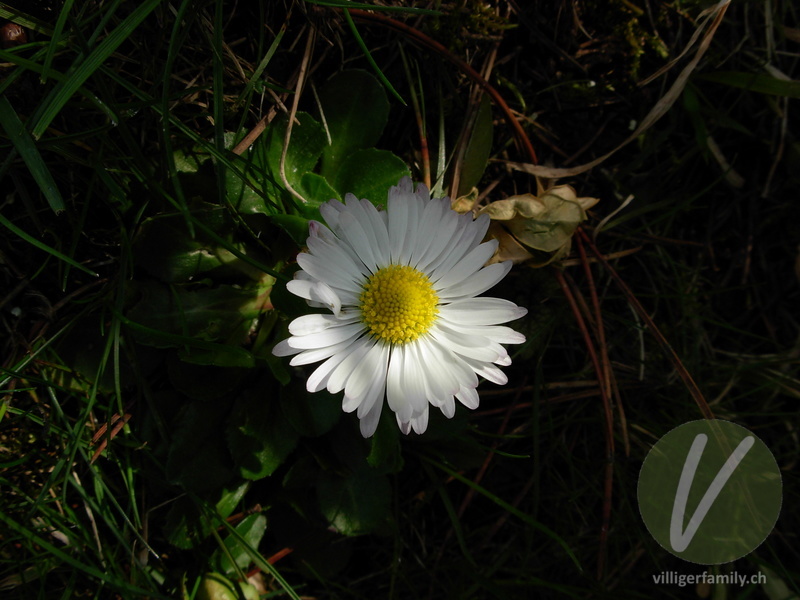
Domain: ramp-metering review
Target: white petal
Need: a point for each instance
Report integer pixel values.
(377, 390)
(307, 357)
(470, 264)
(413, 380)
(328, 337)
(315, 323)
(405, 426)
(341, 374)
(395, 393)
(473, 346)
(319, 378)
(284, 349)
(477, 283)
(369, 422)
(487, 371)
(352, 230)
(420, 423)
(496, 333)
(361, 378)
(442, 236)
(468, 396)
(481, 311)
(448, 408)
(327, 270)
(397, 225)
(316, 291)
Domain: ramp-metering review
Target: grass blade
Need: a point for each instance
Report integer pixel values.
(42, 246)
(23, 143)
(86, 69)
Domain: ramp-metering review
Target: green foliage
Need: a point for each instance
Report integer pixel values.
(150, 444)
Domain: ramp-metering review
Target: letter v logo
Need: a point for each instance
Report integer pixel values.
(679, 539)
(709, 491)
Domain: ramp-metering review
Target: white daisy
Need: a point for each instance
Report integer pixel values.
(401, 285)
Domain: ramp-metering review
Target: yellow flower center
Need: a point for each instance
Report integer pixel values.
(398, 304)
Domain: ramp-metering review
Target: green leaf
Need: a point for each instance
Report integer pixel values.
(197, 456)
(202, 381)
(369, 174)
(356, 110)
(262, 163)
(223, 314)
(357, 503)
(24, 144)
(316, 190)
(479, 148)
(231, 498)
(164, 248)
(295, 226)
(251, 529)
(754, 82)
(310, 414)
(182, 525)
(385, 453)
(259, 436)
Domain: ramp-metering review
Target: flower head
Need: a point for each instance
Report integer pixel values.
(405, 322)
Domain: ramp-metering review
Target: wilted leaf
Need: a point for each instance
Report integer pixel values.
(545, 223)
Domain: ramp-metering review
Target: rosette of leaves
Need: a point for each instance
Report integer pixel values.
(537, 229)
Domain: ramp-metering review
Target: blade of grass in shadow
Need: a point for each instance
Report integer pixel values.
(55, 41)
(42, 246)
(217, 86)
(23, 143)
(180, 31)
(248, 89)
(32, 65)
(362, 5)
(451, 512)
(25, 20)
(368, 56)
(506, 506)
(66, 558)
(65, 90)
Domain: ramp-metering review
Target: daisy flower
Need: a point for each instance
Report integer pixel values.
(405, 322)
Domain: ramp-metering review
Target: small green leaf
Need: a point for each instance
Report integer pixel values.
(251, 529)
(479, 148)
(230, 499)
(261, 163)
(310, 414)
(197, 456)
(259, 436)
(385, 453)
(203, 382)
(295, 226)
(356, 110)
(369, 174)
(316, 190)
(357, 503)
(224, 314)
